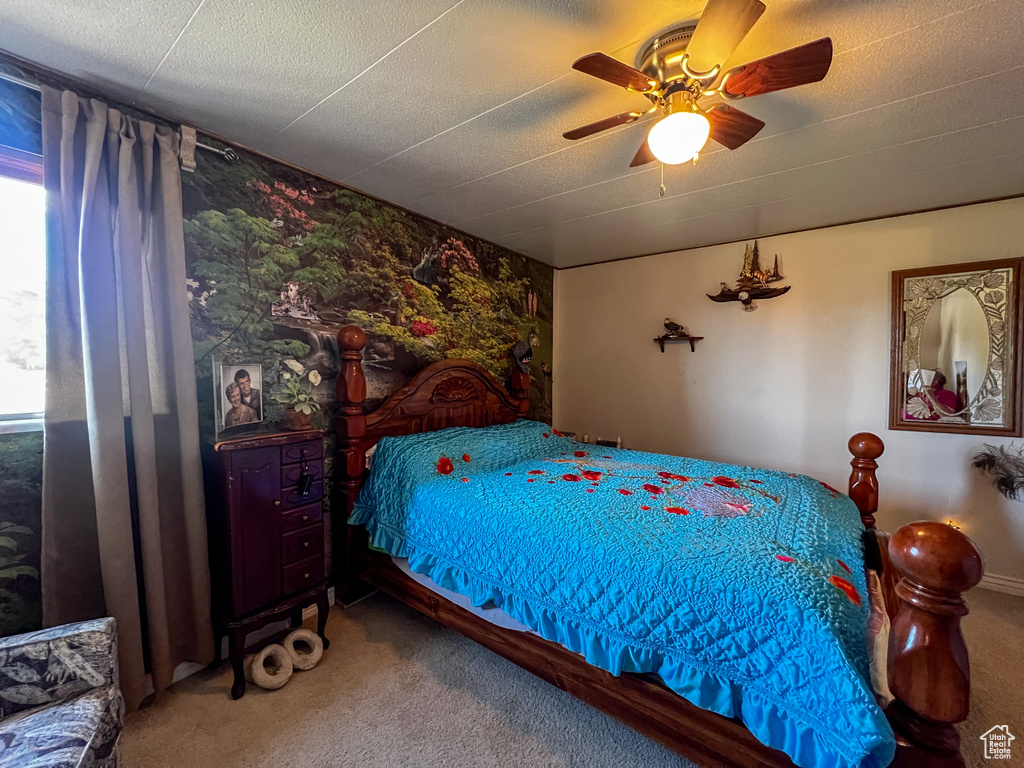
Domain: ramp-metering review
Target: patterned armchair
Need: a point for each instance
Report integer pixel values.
(60, 704)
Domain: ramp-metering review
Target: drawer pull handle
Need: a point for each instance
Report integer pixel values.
(305, 543)
(305, 575)
(305, 517)
(277, 502)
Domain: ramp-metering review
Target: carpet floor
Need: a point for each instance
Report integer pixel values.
(397, 689)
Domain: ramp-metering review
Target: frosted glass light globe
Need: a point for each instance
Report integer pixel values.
(678, 137)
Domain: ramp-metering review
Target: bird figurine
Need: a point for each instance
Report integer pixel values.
(674, 329)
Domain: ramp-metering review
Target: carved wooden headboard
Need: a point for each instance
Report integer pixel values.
(449, 393)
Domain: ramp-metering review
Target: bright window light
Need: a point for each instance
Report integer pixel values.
(22, 294)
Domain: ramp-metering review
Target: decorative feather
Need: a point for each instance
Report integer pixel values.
(1006, 465)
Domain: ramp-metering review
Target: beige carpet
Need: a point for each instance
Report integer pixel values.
(397, 689)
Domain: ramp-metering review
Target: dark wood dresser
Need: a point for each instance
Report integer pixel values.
(264, 513)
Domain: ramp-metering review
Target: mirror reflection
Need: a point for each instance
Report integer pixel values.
(953, 359)
(954, 366)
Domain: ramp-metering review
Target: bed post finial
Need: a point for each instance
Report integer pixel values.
(351, 381)
(350, 428)
(519, 383)
(928, 669)
(519, 388)
(865, 448)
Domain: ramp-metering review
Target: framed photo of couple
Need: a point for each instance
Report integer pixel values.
(237, 395)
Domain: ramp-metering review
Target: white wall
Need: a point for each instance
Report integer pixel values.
(785, 386)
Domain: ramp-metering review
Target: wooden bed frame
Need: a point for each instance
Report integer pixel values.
(925, 566)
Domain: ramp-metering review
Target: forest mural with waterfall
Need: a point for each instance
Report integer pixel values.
(279, 260)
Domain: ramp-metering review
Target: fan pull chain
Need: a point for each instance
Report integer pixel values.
(661, 192)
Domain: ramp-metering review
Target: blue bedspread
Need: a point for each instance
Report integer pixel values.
(744, 589)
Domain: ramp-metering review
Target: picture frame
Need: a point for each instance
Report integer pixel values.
(962, 376)
(237, 395)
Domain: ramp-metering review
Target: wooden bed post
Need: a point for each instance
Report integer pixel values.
(928, 669)
(925, 567)
(865, 448)
(350, 427)
(519, 388)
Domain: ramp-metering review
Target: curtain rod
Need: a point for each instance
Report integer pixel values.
(19, 81)
(228, 154)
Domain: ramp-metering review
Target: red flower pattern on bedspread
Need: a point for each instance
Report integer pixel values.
(831, 491)
(446, 466)
(838, 582)
(714, 496)
(847, 588)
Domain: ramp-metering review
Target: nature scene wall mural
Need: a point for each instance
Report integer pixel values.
(21, 482)
(279, 260)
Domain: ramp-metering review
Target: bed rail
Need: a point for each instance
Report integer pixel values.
(926, 567)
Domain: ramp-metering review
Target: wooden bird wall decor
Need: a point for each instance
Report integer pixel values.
(753, 281)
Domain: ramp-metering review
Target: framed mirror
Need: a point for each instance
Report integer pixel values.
(956, 349)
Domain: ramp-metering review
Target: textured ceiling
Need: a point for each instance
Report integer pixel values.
(455, 109)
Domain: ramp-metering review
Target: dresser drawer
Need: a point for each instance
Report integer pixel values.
(293, 454)
(303, 574)
(290, 497)
(302, 517)
(302, 543)
(290, 474)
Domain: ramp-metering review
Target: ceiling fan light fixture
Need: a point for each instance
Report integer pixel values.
(679, 136)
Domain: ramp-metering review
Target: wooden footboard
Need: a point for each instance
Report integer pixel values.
(925, 568)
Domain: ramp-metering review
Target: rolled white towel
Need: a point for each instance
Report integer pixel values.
(305, 647)
(270, 668)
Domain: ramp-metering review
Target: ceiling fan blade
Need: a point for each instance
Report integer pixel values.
(602, 125)
(643, 155)
(722, 27)
(797, 66)
(615, 72)
(731, 127)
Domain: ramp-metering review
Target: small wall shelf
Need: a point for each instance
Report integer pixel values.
(692, 339)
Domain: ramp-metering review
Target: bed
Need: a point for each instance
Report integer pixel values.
(688, 663)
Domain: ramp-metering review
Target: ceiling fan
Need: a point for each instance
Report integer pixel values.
(682, 65)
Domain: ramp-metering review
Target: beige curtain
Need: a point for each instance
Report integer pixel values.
(124, 530)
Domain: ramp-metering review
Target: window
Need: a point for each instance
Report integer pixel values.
(22, 293)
